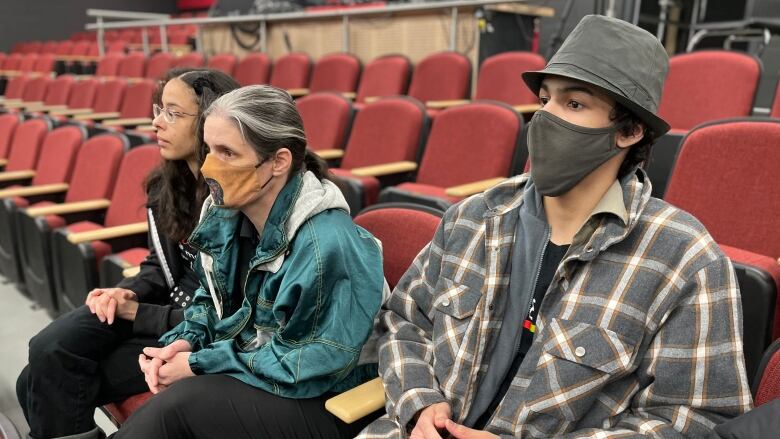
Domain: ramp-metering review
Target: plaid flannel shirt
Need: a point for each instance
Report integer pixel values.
(639, 335)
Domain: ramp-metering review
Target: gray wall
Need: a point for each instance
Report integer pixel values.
(25, 20)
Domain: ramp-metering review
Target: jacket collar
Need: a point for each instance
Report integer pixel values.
(633, 190)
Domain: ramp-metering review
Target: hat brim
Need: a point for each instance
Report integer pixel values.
(533, 80)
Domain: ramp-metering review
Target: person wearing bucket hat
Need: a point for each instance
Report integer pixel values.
(568, 302)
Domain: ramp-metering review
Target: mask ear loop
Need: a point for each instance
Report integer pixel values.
(269, 178)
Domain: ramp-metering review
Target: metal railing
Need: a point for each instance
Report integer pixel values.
(102, 14)
(263, 19)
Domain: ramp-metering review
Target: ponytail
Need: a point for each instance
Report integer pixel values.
(314, 163)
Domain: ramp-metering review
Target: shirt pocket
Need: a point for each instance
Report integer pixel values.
(453, 307)
(577, 361)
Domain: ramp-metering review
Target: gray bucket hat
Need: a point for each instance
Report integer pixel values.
(626, 62)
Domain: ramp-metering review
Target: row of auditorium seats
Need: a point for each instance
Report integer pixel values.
(68, 200)
(440, 79)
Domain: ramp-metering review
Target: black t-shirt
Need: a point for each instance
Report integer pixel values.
(553, 255)
(247, 246)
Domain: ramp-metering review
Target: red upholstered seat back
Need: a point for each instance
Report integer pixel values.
(254, 68)
(26, 145)
(16, 86)
(108, 96)
(109, 64)
(708, 85)
(12, 61)
(59, 90)
(500, 77)
(58, 155)
(385, 131)
(726, 176)
(291, 71)
(158, 65)
(132, 66)
(138, 99)
(326, 120)
(470, 143)
(768, 377)
(96, 168)
(27, 63)
(45, 63)
(441, 76)
(776, 104)
(80, 48)
(403, 233)
(8, 124)
(128, 202)
(36, 89)
(82, 94)
(337, 72)
(192, 59)
(385, 76)
(49, 47)
(224, 62)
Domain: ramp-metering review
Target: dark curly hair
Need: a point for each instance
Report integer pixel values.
(174, 192)
(626, 122)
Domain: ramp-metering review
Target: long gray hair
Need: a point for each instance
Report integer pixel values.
(269, 120)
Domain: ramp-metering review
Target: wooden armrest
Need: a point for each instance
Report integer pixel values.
(60, 209)
(16, 175)
(528, 108)
(437, 105)
(47, 108)
(9, 101)
(330, 154)
(349, 95)
(130, 121)
(20, 104)
(358, 402)
(97, 116)
(83, 77)
(32, 105)
(298, 92)
(131, 271)
(146, 128)
(3, 162)
(370, 99)
(11, 73)
(385, 169)
(109, 233)
(30, 191)
(70, 111)
(476, 187)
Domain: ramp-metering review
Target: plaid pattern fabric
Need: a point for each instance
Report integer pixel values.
(640, 333)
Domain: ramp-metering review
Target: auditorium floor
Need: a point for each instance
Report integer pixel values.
(20, 320)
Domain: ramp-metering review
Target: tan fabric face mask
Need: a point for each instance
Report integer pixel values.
(232, 186)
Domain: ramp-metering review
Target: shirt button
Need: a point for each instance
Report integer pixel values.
(588, 249)
(580, 351)
(445, 302)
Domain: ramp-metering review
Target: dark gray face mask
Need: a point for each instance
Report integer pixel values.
(562, 154)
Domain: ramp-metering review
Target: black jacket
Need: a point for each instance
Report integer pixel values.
(164, 286)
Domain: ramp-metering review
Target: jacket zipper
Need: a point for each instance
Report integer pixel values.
(536, 283)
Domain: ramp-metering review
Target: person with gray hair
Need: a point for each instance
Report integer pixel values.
(290, 287)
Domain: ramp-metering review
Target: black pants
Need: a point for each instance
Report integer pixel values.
(76, 364)
(219, 407)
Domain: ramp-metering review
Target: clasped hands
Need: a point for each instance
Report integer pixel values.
(164, 366)
(434, 422)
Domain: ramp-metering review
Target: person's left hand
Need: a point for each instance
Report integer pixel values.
(462, 432)
(175, 369)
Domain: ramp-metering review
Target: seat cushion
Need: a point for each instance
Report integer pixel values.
(122, 410)
(370, 185)
(133, 256)
(429, 190)
(100, 248)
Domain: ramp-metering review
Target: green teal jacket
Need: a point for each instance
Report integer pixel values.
(311, 295)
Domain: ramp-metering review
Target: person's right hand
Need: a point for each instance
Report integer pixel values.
(157, 357)
(430, 420)
(102, 304)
